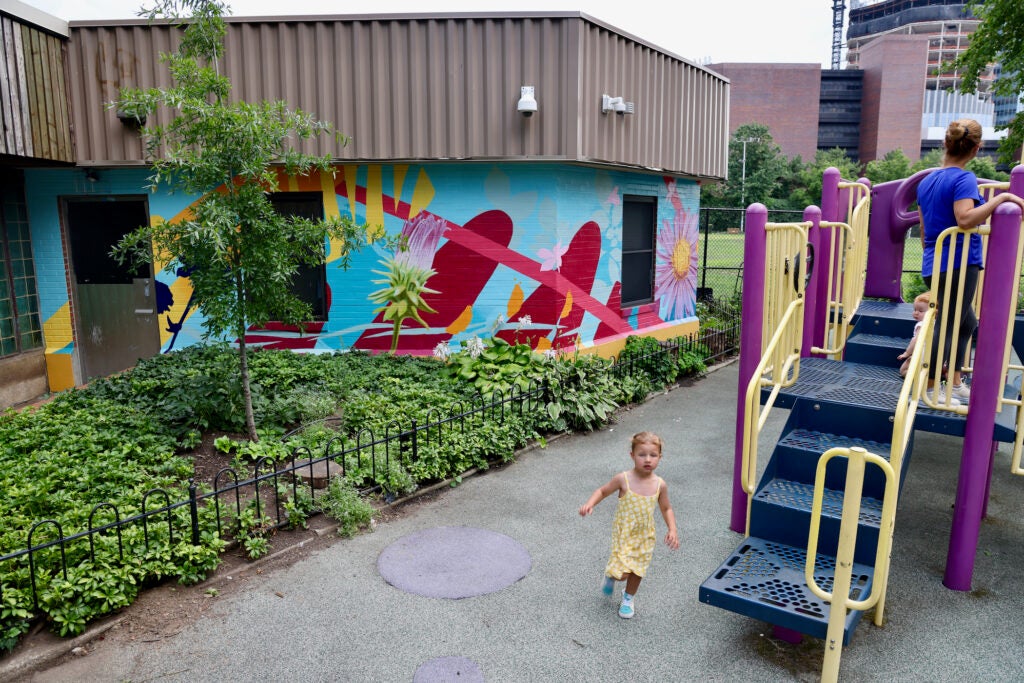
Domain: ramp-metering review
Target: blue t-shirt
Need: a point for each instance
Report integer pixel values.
(935, 196)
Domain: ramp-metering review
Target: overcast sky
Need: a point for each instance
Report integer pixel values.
(715, 31)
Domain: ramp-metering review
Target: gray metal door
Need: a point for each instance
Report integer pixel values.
(115, 305)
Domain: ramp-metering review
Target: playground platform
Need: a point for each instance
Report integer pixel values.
(332, 617)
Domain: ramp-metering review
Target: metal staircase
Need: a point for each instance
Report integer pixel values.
(826, 498)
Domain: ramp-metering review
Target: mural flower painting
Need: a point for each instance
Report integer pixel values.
(551, 259)
(407, 273)
(675, 284)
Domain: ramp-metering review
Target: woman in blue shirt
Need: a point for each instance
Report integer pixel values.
(947, 197)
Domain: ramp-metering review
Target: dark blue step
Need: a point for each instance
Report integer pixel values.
(886, 318)
(797, 452)
(765, 580)
(875, 349)
(781, 511)
(875, 388)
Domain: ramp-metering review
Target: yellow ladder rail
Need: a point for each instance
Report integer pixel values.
(857, 460)
(779, 367)
(849, 254)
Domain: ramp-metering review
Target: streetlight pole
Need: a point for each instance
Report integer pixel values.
(743, 179)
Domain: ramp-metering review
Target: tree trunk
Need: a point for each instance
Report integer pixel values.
(250, 419)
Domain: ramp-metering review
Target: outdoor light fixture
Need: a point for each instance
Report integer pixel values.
(527, 103)
(91, 175)
(615, 104)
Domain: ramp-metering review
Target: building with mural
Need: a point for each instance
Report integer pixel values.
(546, 166)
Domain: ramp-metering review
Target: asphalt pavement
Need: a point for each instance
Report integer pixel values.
(332, 617)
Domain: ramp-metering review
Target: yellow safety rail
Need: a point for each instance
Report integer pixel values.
(857, 459)
(947, 321)
(987, 192)
(847, 268)
(902, 428)
(784, 284)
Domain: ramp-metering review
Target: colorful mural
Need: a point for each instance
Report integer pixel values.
(524, 252)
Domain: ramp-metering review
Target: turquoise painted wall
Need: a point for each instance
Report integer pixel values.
(507, 241)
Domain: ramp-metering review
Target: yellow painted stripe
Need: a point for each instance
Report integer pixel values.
(374, 203)
(422, 195)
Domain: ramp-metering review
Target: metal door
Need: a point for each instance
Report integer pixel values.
(115, 305)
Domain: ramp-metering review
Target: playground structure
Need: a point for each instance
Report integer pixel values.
(824, 322)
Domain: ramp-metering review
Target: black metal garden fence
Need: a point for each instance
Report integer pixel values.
(267, 489)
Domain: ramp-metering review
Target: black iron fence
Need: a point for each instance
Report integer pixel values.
(218, 508)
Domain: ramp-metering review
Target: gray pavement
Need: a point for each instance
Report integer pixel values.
(338, 620)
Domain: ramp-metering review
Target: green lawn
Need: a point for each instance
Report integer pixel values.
(720, 262)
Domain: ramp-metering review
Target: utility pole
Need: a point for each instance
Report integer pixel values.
(743, 176)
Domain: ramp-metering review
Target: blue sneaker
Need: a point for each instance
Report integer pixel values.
(608, 586)
(626, 608)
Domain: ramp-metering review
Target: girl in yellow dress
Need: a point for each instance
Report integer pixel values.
(633, 536)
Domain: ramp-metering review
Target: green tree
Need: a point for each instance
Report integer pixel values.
(932, 159)
(998, 39)
(239, 253)
(756, 165)
(895, 165)
(808, 190)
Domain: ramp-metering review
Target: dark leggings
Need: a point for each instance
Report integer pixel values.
(968, 321)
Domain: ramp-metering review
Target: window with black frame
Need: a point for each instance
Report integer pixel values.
(639, 215)
(310, 283)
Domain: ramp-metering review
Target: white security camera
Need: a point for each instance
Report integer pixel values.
(527, 103)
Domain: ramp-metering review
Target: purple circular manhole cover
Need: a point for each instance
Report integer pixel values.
(453, 562)
(448, 670)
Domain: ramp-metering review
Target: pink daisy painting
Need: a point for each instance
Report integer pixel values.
(675, 281)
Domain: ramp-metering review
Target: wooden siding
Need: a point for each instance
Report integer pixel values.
(33, 94)
(433, 87)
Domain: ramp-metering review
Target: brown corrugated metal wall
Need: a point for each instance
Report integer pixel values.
(408, 88)
(33, 94)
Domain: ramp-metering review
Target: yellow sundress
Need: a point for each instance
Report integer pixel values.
(632, 533)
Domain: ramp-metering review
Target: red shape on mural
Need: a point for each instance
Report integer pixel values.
(461, 275)
(546, 304)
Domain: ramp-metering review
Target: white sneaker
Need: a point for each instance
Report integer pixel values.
(962, 392)
(941, 400)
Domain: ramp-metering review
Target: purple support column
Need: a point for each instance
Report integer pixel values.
(986, 390)
(829, 212)
(811, 302)
(750, 344)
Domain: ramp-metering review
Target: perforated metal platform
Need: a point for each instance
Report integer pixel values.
(765, 580)
(800, 496)
(819, 442)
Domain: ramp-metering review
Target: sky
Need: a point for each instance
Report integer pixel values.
(797, 31)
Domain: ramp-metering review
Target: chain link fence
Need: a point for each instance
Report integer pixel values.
(720, 273)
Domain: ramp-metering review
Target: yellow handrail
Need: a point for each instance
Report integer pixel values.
(949, 320)
(848, 252)
(785, 281)
(857, 459)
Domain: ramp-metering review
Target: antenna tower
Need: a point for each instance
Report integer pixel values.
(838, 10)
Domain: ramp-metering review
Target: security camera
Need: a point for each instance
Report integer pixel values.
(527, 103)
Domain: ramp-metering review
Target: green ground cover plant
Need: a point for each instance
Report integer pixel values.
(123, 445)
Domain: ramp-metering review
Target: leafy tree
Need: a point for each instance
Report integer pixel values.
(895, 165)
(932, 159)
(753, 176)
(985, 168)
(998, 39)
(808, 189)
(239, 253)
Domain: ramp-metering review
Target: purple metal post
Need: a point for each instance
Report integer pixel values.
(975, 462)
(754, 244)
(811, 313)
(829, 212)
